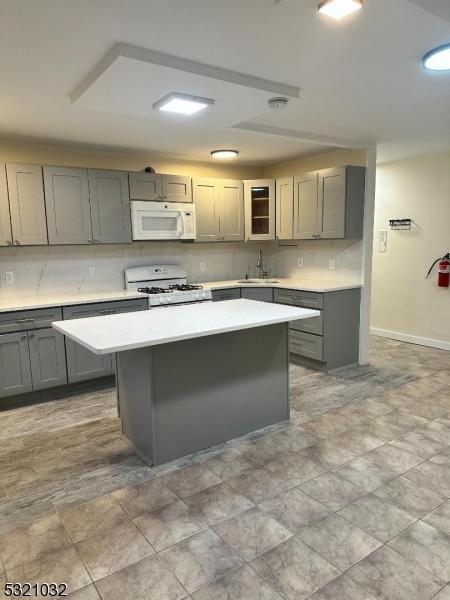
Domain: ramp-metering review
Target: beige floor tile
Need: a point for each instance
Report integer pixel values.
(294, 469)
(259, 484)
(190, 480)
(169, 525)
(218, 503)
(113, 550)
(87, 593)
(200, 560)
(342, 588)
(92, 517)
(241, 584)
(252, 533)
(149, 579)
(144, 497)
(295, 510)
(31, 542)
(412, 498)
(62, 565)
(333, 491)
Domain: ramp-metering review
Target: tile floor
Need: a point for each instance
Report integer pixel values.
(350, 501)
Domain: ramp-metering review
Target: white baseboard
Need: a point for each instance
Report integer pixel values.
(411, 339)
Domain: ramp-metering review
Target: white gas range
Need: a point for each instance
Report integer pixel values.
(166, 285)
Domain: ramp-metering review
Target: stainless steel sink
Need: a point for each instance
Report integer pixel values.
(258, 281)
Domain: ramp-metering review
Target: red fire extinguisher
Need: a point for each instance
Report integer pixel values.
(443, 270)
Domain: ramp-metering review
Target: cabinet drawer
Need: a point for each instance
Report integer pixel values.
(312, 325)
(231, 294)
(22, 320)
(299, 298)
(104, 308)
(306, 344)
(260, 294)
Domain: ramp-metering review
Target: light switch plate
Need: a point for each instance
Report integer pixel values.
(382, 240)
(202, 265)
(332, 264)
(9, 276)
(300, 262)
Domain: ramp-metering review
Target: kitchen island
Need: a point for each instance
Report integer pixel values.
(190, 377)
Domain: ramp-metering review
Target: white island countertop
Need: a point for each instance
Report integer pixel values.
(116, 333)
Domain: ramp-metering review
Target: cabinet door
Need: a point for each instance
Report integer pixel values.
(145, 186)
(110, 207)
(231, 211)
(332, 203)
(306, 206)
(177, 188)
(48, 358)
(82, 364)
(5, 221)
(67, 204)
(206, 200)
(15, 371)
(260, 294)
(27, 205)
(259, 202)
(284, 208)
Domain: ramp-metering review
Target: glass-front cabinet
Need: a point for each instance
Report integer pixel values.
(259, 197)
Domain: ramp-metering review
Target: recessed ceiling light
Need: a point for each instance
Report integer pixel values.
(183, 104)
(339, 8)
(224, 153)
(438, 59)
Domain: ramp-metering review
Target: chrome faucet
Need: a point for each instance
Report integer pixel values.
(260, 266)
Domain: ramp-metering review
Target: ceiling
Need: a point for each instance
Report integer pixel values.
(360, 79)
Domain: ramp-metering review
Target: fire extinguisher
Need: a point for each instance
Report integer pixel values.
(443, 270)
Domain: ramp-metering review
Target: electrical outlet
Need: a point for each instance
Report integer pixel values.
(382, 240)
(300, 262)
(9, 276)
(332, 264)
(91, 272)
(202, 265)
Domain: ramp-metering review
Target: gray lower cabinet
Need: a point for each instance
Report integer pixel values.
(330, 339)
(15, 368)
(47, 358)
(110, 207)
(82, 364)
(5, 220)
(226, 294)
(262, 294)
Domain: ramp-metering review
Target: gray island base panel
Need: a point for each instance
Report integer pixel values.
(178, 398)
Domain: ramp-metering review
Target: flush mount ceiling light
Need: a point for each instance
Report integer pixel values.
(183, 104)
(224, 153)
(438, 59)
(339, 8)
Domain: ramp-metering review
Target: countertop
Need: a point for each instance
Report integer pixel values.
(59, 299)
(307, 285)
(116, 333)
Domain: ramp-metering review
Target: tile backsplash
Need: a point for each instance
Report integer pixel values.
(69, 268)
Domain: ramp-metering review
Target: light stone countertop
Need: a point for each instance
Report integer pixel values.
(60, 299)
(127, 331)
(306, 285)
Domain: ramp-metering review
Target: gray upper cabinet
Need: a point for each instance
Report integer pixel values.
(219, 210)
(145, 186)
(231, 211)
(27, 205)
(110, 206)
(206, 200)
(284, 226)
(329, 204)
(154, 186)
(177, 188)
(259, 202)
(15, 369)
(5, 221)
(67, 204)
(47, 358)
(305, 206)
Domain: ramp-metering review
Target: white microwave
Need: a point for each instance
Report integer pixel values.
(162, 220)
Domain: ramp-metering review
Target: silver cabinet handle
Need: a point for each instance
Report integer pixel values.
(24, 337)
(9, 242)
(30, 336)
(90, 241)
(16, 242)
(27, 320)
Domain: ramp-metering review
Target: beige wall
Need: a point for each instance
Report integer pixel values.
(336, 158)
(403, 301)
(52, 154)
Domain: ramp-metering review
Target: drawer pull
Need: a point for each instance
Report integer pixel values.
(28, 320)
